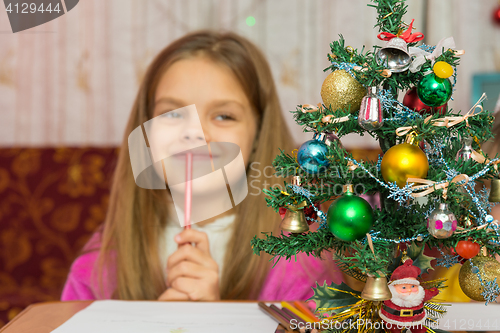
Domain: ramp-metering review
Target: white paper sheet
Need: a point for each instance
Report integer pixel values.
(169, 317)
(471, 317)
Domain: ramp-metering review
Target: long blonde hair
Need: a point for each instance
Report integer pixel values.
(136, 217)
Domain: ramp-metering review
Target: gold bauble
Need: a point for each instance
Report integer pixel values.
(489, 269)
(404, 161)
(340, 89)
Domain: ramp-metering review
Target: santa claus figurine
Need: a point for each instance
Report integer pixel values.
(406, 307)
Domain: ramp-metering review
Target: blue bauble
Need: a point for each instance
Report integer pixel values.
(312, 156)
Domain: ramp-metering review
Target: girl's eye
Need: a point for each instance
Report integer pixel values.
(224, 117)
(172, 114)
(403, 287)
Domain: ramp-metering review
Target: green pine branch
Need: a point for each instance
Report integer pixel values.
(394, 221)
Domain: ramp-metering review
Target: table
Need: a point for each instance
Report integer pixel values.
(45, 317)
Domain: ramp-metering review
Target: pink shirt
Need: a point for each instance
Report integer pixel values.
(288, 280)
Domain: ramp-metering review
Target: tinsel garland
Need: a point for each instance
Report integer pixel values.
(401, 220)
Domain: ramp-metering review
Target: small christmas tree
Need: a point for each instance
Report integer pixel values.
(428, 180)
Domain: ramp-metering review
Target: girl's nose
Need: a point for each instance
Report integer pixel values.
(194, 134)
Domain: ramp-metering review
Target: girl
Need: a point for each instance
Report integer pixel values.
(141, 252)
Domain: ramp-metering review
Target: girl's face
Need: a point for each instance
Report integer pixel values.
(224, 110)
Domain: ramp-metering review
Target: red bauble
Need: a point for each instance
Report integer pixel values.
(412, 102)
(282, 212)
(496, 15)
(468, 249)
(311, 213)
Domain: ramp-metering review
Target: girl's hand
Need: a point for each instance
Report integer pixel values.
(173, 295)
(191, 271)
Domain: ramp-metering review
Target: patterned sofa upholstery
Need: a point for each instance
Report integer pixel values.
(51, 200)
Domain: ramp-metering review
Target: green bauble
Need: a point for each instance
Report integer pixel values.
(350, 217)
(434, 91)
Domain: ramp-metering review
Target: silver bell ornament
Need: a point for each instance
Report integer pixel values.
(394, 55)
(465, 153)
(370, 113)
(442, 223)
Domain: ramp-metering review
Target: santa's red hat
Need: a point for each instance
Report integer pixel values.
(405, 274)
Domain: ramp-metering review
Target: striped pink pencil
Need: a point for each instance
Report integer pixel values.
(188, 192)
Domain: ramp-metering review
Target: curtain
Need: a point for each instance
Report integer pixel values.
(72, 81)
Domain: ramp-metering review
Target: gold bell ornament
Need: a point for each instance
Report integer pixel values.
(495, 191)
(295, 219)
(376, 289)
